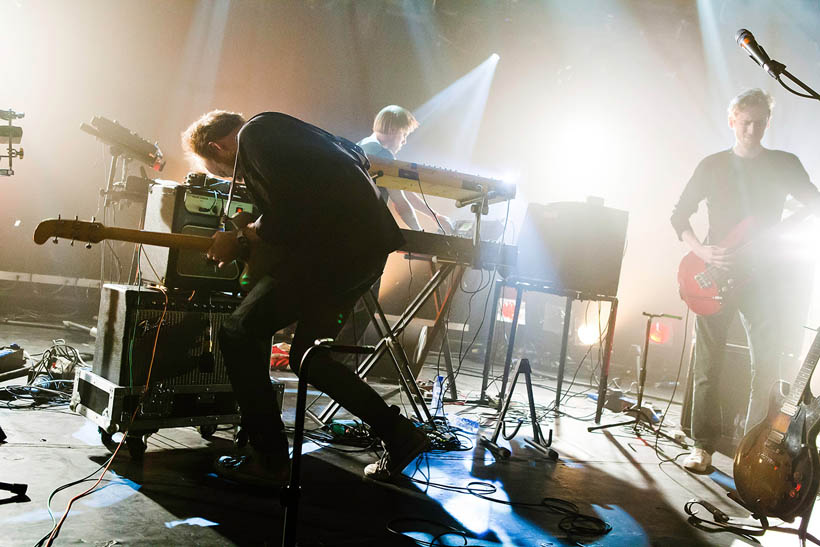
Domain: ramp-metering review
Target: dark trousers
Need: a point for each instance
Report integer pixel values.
(245, 343)
(760, 320)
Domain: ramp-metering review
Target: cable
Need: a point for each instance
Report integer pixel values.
(56, 529)
(574, 523)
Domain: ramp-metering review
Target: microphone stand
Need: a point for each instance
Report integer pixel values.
(637, 409)
(776, 68)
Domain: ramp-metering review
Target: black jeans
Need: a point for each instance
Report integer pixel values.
(761, 321)
(245, 343)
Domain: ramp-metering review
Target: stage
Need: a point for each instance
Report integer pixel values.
(635, 485)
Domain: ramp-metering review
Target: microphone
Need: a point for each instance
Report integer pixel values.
(747, 41)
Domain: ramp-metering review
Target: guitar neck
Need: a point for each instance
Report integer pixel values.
(799, 387)
(160, 239)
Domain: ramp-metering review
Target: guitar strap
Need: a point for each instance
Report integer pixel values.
(233, 185)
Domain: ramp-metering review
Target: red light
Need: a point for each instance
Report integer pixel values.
(239, 209)
(659, 332)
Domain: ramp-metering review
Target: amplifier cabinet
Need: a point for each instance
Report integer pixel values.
(187, 349)
(189, 384)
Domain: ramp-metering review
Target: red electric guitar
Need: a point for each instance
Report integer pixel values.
(705, 287)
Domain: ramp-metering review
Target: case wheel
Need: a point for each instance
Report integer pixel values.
(206, 431)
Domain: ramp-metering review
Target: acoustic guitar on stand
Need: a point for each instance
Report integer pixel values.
(776, 463)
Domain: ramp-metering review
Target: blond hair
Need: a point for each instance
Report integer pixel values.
(392, 119)
(209, 128)
(750, 99)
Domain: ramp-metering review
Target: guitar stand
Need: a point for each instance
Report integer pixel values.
(802, 530)
(538, 442)
(641, 413)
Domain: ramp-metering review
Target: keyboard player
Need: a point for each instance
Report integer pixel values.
(391, 127)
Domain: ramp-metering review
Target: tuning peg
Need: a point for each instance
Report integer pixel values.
(88, 245)
(58, 217)
(94, 219)
(54, 240)
(20, 153)
(71, 244)
(76, 218)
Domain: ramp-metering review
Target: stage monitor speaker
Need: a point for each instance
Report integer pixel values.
(195, 210)
(187, 350)
(576, 246)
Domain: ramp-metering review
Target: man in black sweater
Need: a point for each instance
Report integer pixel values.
(322, 217)
(744, 181)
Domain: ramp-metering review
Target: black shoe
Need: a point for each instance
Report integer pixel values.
(255, 468)
(404, 446)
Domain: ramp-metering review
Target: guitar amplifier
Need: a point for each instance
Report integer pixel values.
(187, 349)
(189, 384)
(577, 246)
(194, 210)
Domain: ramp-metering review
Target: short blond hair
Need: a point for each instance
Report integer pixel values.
(750, 99)
(209, 128)
(392, 119)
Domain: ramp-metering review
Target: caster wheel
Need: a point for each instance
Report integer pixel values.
(240, 437)
(206, 431)
(108, 440)
(137, 443)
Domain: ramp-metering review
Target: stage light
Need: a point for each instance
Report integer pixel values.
(660, 332)
(588, 334)
(495, 57)
(451, 119)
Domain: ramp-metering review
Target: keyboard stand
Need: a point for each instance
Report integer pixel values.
(389, 343)
(440, 328)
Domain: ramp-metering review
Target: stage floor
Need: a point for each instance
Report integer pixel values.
(172, 497)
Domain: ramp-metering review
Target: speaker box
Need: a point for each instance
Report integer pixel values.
(187, 350)
(195, 210)
(575, 246)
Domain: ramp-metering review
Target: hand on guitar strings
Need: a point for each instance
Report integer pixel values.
(720, 257)
(224, 249)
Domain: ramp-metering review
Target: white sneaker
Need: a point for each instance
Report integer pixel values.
(698, 461)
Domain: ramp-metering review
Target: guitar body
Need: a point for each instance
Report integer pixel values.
(776, 475)
(705, 288)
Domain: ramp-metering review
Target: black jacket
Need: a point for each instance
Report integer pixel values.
(317, 201)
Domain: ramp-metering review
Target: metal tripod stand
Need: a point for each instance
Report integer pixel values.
(637, 409)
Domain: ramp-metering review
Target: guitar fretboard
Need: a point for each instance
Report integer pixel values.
(799, 386)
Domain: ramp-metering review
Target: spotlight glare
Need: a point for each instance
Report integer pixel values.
(494, 57)
(588, 334)
(659, 332)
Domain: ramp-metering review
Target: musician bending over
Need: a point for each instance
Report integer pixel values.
(744, 181)
(328, 235)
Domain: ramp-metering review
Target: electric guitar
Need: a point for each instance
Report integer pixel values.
(705, 288)
(263, 259)
(775, 467)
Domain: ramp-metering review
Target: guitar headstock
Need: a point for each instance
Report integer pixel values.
(75, 230)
